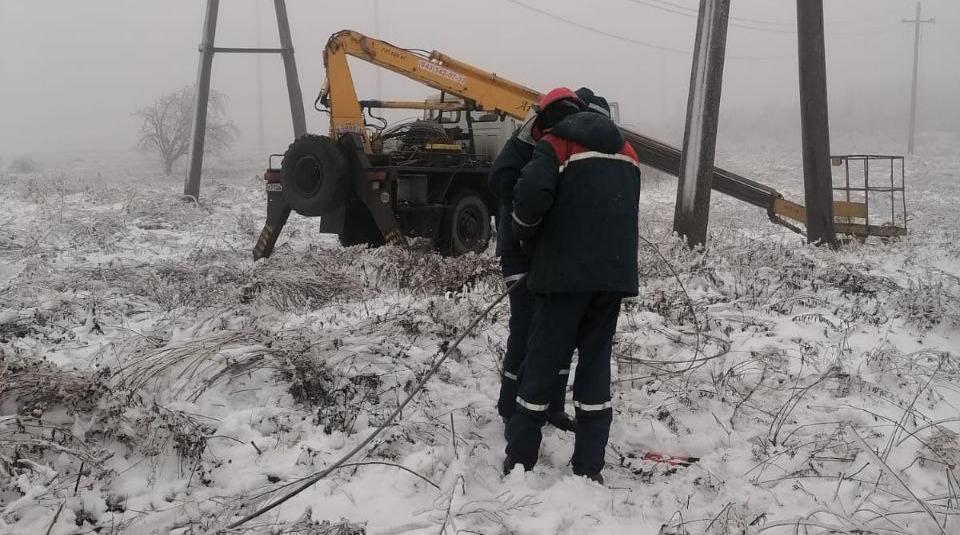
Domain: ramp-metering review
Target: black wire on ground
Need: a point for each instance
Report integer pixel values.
(389, 421)
(340, 463)
(693, 312)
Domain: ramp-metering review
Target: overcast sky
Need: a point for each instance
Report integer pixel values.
(72, 72)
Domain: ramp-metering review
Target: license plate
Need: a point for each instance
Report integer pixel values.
(274, 187)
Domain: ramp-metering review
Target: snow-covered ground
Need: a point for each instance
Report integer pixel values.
(155, 379)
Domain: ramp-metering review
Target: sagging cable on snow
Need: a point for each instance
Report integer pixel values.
(309, 481)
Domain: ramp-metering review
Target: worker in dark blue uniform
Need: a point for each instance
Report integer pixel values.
(514, 262)
(575, 206)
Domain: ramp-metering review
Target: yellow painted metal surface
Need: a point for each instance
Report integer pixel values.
(488, 91)
(792, 210)
(797, 212)
(849, 209)
(419, 105)
(841, 210)
(443, 147)
(885, 231)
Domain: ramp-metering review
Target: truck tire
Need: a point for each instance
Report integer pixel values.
(466, 224)
(315, 176)
(359, 228)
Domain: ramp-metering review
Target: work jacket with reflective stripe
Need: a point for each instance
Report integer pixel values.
(577, 203)
(503, 177)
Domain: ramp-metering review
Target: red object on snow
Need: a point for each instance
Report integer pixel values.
(672, 460)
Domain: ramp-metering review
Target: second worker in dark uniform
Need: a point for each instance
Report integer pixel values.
(575, 206)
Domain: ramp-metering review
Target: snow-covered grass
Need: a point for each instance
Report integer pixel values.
(155, 379)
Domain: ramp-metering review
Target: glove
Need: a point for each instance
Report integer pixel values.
(525, 132)
(525, 232)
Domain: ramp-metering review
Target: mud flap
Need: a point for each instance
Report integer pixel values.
(277, 213)
(377, 200)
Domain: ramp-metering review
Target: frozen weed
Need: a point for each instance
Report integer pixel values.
(930, 301)
(185, 369)
(35, 386)
(306, 526)
(336, 399)
(301, 284)
(429, 273)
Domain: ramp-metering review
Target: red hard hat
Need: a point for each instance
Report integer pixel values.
(558, 94)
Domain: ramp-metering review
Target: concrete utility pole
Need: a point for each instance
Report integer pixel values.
(917, 21)
(290, 68)
(817, 176)
(191, 187)
(692, 212)
(376, 29)
(260, 145)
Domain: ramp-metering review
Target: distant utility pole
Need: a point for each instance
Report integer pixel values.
(376, 30)
(692, 211)
(814, 123)
(256, 5)
(917, 21)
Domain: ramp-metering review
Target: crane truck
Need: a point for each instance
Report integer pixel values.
(374, 183)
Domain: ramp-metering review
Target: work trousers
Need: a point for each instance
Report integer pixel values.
(521, 315)
(561, 323)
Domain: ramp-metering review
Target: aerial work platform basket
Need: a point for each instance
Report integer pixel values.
(875, 185)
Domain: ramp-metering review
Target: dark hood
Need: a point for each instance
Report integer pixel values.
(591, 130)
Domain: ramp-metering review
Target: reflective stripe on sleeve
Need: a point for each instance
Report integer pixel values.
(531, 406)
(509, 375)
(522, 223)
(596, 154)
(599, 109)
(589, 407)
(513, 278)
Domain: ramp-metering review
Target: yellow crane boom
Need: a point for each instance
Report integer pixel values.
(485, 90)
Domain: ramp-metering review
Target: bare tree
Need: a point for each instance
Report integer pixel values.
(167, 124)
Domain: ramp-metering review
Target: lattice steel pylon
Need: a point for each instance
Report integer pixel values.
(191, 186)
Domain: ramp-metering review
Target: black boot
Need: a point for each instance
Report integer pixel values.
(509, 463)
(595, 477)
(562, 421)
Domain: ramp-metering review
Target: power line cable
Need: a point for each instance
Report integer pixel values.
(674, 5)
(308, 481)
(599, 31)
(631, 40)
(694, 13)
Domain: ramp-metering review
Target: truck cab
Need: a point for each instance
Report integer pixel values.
(490, 131)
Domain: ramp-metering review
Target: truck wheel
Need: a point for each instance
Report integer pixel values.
(359, 228)
(466, 225)
(314, 175)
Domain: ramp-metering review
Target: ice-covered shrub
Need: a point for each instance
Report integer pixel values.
(929, 301)
(23, 166)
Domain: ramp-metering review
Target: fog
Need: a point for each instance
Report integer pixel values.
(72, 73)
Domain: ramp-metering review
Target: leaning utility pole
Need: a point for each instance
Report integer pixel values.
(191, 187)
(692, 211)
(917, 21)
(815, 124)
